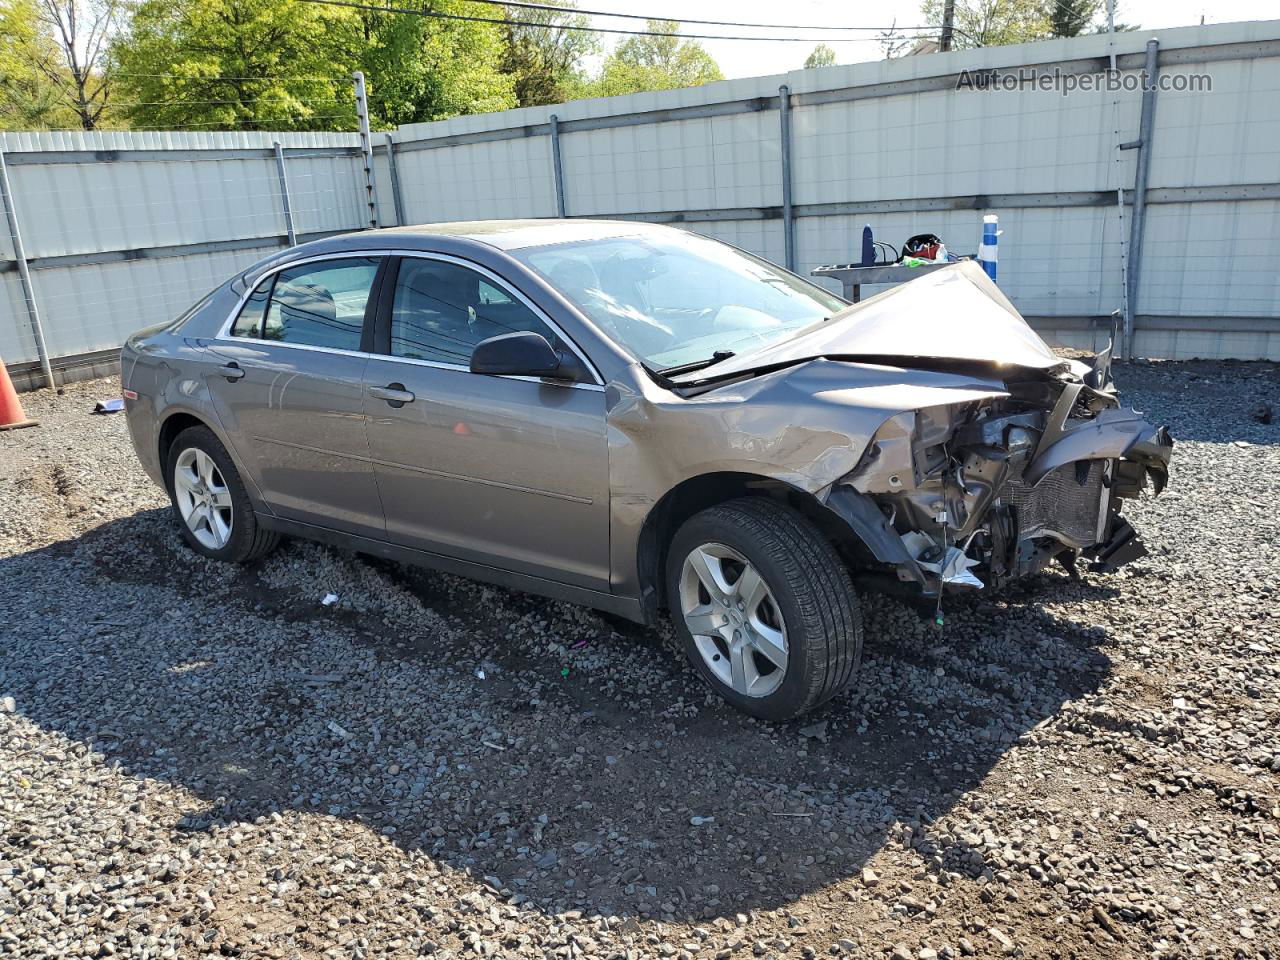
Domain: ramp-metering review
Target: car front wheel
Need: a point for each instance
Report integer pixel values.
(764, 607)
(210, 501)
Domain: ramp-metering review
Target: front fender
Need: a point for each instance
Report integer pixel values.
(1114, 434)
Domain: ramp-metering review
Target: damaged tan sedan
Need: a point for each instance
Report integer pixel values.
(639, 419)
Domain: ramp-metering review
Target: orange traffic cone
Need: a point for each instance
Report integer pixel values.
(11, 414)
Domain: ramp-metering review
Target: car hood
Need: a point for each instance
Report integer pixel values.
(956, 314)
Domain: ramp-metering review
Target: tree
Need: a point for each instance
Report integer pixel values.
(645, 63)
(421, 68)
(1071, 18)
(822, 56)
(81, 30)
(234, 64)
(993, 23)
(53, 66)
(282, 65)
(544, 61)
(895, 43)
(29, 100)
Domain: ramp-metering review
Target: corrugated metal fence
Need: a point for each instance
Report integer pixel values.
(126, 230)
(123, 230)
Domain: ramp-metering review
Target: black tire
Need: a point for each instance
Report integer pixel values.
(248, 540)
(811, 589)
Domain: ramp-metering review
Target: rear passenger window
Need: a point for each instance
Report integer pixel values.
(314, 305)
(442, 310)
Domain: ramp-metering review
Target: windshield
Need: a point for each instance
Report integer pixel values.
(675, 298)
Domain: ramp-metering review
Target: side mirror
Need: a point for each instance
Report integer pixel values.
(520, 354)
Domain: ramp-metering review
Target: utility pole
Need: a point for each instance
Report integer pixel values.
(948, 23)
(366, 149)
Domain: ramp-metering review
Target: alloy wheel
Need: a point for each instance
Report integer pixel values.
(203, 498)
(736, 624)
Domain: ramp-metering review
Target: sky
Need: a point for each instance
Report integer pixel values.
(755, 58)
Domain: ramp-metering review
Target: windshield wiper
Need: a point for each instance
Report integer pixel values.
(711, 361)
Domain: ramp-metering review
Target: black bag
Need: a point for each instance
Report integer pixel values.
(922, 245)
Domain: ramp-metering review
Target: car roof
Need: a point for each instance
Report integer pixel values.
(500, 235)
(514, 234)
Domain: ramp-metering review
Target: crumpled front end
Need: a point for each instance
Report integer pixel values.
(955, 447)
(980, 493)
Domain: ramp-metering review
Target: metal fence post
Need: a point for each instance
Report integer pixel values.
(397, 199)
(1145, 128)
(284, 194)
(556, 165)
(28, 291)
(366, 148)
(788, 214)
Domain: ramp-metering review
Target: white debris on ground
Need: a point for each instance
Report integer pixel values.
(201, 759)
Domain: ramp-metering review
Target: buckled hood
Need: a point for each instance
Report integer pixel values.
(955, 314)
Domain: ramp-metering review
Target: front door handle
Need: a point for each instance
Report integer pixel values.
(394, 393)
(231, 371)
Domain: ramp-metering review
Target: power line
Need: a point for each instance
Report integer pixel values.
(187, 103)
(203, 79)
(236, 121)
(569, 26)
(640, 16)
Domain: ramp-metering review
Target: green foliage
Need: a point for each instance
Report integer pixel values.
(544, 61)
(285, 65)
(1120, 28)
(52, 70)
(28, 98)
(822, 56)
(234, 64)
(422, 69)
(281, 65)
(1071, 18)
(647, 63)
(994, 23)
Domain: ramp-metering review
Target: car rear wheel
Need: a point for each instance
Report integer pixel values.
(210, 501)
(764, 607)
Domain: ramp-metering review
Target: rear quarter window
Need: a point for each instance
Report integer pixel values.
(249, 322)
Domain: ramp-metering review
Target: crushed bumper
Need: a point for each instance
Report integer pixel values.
(1007, 494)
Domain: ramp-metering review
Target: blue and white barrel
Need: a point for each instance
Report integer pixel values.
(987, 249)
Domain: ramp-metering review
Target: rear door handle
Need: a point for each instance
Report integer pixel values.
(394, 393)
(231, 371)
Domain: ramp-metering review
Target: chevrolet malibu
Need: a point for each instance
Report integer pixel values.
(640, 419)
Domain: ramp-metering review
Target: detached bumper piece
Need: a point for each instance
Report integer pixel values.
(1147, 456)
(1122, 546)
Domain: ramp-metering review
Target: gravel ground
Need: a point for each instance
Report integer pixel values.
(203, 759)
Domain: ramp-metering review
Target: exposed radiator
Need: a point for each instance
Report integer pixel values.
(1061, 506)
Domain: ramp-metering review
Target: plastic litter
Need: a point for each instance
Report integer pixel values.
(329, 599)
(109, 406)
(952, 567)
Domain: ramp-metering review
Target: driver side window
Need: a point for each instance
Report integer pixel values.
(442, 310)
